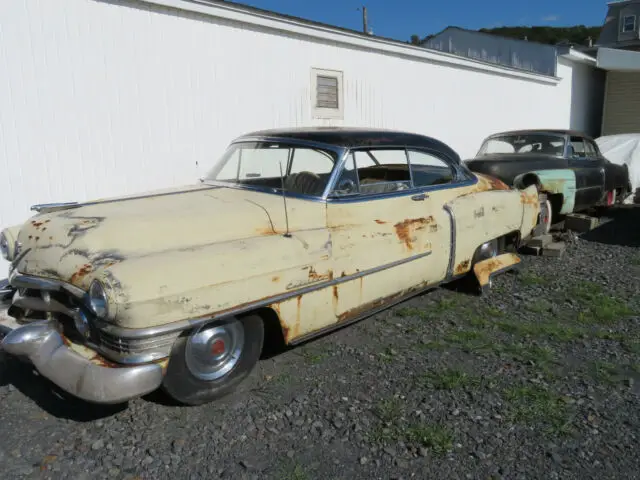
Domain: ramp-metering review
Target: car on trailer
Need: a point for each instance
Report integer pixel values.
(566, 166)
(292, 233)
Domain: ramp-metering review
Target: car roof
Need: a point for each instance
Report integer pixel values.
(352, 137)
(554, 131)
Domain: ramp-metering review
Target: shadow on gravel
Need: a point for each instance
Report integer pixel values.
(623, 227)
(47, 396)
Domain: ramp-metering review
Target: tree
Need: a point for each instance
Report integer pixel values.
(415, 39)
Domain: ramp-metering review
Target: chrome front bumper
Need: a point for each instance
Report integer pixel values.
(75, 368)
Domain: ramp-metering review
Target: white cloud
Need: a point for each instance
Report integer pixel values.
(551, 18)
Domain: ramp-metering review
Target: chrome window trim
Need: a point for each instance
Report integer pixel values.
(463, 177)
(452, 240)
(128, 333)
(340, 151)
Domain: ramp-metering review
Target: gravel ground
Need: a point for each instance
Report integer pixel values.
(538, 379)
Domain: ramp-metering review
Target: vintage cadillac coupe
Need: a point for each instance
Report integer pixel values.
(566, 166)
(292, 233)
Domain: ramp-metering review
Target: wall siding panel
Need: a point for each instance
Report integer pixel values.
(100, 98)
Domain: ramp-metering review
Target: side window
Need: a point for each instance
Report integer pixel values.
(591, 149)
(577, 148)
(308, 160)
(374, 171)
(427, 169)
(389, 172)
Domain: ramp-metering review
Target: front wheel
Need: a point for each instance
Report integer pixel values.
(211, 361)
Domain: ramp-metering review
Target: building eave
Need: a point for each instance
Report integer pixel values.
(276, 22)
(613, 59)
(574, 55)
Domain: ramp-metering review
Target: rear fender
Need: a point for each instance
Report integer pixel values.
(556, 182)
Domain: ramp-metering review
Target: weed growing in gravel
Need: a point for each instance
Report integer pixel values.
(553, 330)
(530, 278)
(635, 260)
(450, 379)
(292, 472)
(392, 428)
(536, 405)
(632, 346)
(540, 356)
(469, 340)
(436, 437)
(605, 372)
(404, 312)
(313, 358)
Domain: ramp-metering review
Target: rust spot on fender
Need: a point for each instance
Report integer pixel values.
(404, 229)
(275, 278)
(486, 183)
(528, 199)
(380, 222)
(462, 267)
(484, 269)
(80, 274)
(316, 277)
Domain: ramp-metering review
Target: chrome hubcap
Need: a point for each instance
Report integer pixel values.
(213, 351)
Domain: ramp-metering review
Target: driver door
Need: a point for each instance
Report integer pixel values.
(589, 173)
(388, 235)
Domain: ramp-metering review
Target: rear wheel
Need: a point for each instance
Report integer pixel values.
(210, 361)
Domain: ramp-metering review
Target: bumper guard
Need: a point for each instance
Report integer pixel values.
(74, 368)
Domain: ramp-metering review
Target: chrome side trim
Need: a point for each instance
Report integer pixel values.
(19, 280)
(53, 207)
(452, 254)
(93, 381)
(128, 333)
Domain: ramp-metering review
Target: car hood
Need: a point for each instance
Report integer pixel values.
(69, 244)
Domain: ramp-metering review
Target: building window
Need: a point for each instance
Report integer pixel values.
(628, 23)
(326, 94)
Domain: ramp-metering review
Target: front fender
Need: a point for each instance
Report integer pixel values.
(559, 182)
(197, 282)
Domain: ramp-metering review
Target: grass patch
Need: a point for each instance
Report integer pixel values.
(606, 372)
(436, 437)
(392, 428)
(468, 340)
(406, 312)
(292, 472)
(313, 358)
(532, 405)
(632, 346)
(538, 306)
(635, 260)
(388, 354)
(552, 330)
(598, 307)
(450, 379)
(530, 278)
(541, 356)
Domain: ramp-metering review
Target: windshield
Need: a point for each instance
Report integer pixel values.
(540, 143)
(306, 170)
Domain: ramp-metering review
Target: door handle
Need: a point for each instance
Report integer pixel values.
(419, 197)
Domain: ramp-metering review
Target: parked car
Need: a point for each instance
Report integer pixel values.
(624, 149)
(292, 233)
(566, 166)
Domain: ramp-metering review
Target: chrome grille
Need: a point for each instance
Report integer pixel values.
(38, 299)
(134, 350)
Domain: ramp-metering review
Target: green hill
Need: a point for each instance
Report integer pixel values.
(578, 34)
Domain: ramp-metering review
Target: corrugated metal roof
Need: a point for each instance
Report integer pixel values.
(509, 52)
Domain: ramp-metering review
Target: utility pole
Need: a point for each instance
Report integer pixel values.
(365, 28)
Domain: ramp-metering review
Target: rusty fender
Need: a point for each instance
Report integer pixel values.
(486, 269)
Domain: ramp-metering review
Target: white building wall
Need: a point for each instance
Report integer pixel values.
(100, 98)
(586, 94)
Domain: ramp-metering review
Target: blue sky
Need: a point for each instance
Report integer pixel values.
(402, 18)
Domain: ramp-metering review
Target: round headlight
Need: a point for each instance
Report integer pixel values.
(4, 247)
(98, 299)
